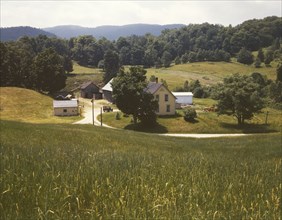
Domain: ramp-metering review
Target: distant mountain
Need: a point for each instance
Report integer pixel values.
(14, 33)
(110, 32)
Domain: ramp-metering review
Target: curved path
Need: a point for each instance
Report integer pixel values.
(88, 119)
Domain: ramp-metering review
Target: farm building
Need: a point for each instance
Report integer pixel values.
(184, 98)
(164, 96)
(107, 91)
(65, 107)
(89, 89)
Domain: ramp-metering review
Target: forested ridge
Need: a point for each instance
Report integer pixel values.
(22, 60)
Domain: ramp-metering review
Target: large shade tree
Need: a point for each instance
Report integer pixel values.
(130, 96)
(49, 71)
(238, 96)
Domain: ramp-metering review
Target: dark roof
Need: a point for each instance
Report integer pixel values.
(86, 84)
(153, 87)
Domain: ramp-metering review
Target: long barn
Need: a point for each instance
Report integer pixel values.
(65, 107)
(184, 98)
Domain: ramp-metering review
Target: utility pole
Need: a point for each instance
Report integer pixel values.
(101, 116)
(266, 116)
(92, 100)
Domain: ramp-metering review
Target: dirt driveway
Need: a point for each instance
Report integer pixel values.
(86, 105)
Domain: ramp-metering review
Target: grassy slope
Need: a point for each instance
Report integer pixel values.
(84, 172)
(82, 74)
(208, 73)
(26, 105)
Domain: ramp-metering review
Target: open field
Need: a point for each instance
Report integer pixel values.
(84, 172)
(26, 105)
(77, 69)
(206, 122)
(208, 73)
(81, 75)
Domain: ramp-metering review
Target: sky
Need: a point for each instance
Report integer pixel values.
(92, 13)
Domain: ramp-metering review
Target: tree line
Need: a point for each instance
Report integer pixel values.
(192, 43)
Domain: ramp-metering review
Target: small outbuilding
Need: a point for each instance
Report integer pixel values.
(183, 98)
(65, 107)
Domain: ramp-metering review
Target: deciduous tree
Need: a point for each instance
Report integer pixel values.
(131, 97)
(238, 96)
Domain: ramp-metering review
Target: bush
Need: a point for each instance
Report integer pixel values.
(190, 114)
(118, 116)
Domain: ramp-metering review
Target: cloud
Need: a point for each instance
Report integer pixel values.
(96, 13)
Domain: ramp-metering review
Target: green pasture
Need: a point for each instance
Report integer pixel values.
(208, 73)
(26, 105)
(77, 69)
(81, 75)
(61, 171)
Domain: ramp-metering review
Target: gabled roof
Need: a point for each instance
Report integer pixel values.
(108, 86)
(153, 87)
(86, 84)
(65, 103)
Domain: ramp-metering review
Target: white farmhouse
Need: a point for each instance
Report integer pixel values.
(65, 107)
(184, 98)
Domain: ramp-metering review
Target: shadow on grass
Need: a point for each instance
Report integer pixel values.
(193, 121)
(249, 128)
(157, 128)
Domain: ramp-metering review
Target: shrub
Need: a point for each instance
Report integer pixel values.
(118, 116)
(190, 114)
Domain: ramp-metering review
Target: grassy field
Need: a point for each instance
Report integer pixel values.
(77, 69)
(208, 73)
(26, 105)
(81, 75)
(206, 122)
(85, 172)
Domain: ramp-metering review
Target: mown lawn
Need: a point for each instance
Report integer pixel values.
(85, 172)
(206, 122)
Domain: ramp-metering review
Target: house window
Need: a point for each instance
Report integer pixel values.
(166, 97)
(157, 97)
(168, 108)
(65, 110)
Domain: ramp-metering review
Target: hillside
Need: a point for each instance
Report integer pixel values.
(109, 31)
(85, 172)
(18, 104)
(14, 33)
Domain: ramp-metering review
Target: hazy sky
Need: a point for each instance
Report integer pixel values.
(91, 13)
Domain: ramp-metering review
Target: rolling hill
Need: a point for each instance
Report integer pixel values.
(24, 105)
(14, 33)
(110, 32)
